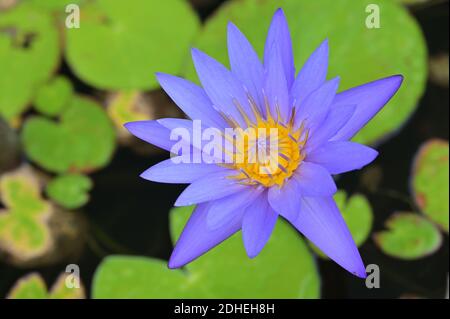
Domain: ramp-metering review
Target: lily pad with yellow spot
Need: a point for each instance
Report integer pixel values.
(24, 232)
(33, 286)
(430, 181)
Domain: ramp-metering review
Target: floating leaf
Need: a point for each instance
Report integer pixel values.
(357, 214)
(82, 141)
(430, 181)
(409, 236)
(33, 286)
(52, 97)
(357, 54)
(24, 232)
(70, 191)
(121, 44)
(55, 5)
(29, 53)
(284, 269)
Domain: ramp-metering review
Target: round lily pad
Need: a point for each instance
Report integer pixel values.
(357, 54)
(121, 44)
(408, 236)
(357, 214)
(33, 286)
(285, 269)
(82, 141)
(70, 191)
(53, 96)
(29, 53)
(430, 181)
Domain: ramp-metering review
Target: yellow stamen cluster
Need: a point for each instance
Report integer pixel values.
(268, 151)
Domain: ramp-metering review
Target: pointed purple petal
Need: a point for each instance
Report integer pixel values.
(245, 63)
(275, 85)
(316, 106)
(152, 132)
(222, 87)
(285, 200)
(192, 99)
(335, 120)
(196, 238)
(314, 180)
(172, 171)
(340, 157)
(210, 187)
(312, 75)
(221, 211)
(369, 99)
(322, 223)
(280, 36)
(257, 225)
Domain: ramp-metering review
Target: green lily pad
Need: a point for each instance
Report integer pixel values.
(52, 97)
(33, 286)
(284, 269)
(430, 181)
(29, 53)
(357, 54)
(358, 216)
(82, 141)
(24, 232)
(55, 5)
(121, 44)
(70, 191)
(408, 236)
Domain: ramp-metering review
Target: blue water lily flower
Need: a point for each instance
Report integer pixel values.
(313, 125)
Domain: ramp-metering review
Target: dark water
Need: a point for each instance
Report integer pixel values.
(134, 213)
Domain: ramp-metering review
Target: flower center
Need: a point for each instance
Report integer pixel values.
(268, 152)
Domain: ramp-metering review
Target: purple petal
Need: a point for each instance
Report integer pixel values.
(225, 91)
(279, 35)
(245, 63)
(257, 225)
(285, 200)
(369, 99)
(152, 132)
(192, 99)
(221, 211)
(340, 157)
(314, 180)
(335, 120)
(196, 238)
(275, 85)
(316, 106)
(312, 75)
(190, 132)
(172, 171)
(322, 223)
(210, 187)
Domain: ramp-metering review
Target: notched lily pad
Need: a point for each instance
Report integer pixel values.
(357, 54)
(357, 214)
(284, 269)
(430, 181)
(408, 236)
(121, 44)
(24, 232)
(29, 53)
(33, 286)
(71, 191)
(82, 141)
(52, 97)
